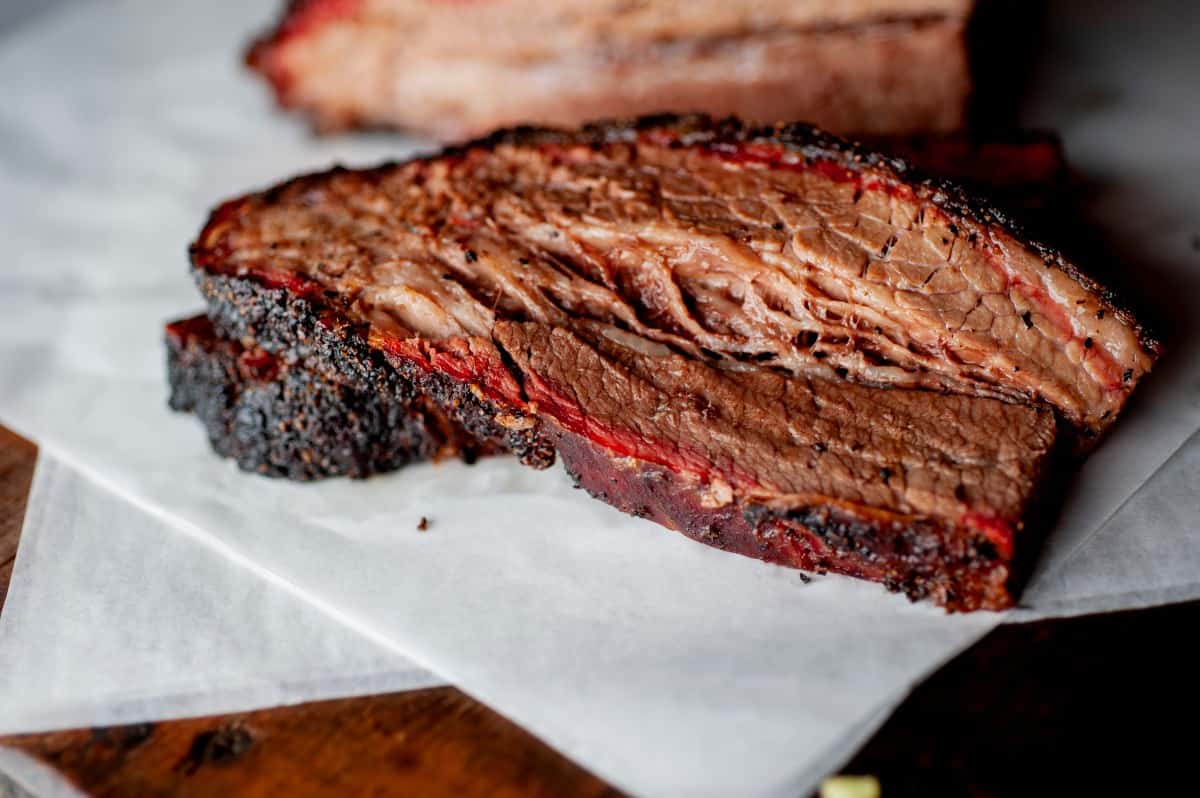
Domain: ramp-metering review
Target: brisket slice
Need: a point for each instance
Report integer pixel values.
(733, 331)
(293, 419)
(289, 420)
(772, 247)
(458, 69)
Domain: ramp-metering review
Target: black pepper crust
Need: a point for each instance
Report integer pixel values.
(281, 420)
(310, 332)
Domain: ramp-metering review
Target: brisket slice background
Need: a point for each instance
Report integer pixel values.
(320, 266)
(455, 70)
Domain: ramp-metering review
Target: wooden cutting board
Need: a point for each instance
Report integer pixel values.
(1089, 706)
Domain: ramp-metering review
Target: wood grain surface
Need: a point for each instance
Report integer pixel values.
(434, 742)
(1102, 705)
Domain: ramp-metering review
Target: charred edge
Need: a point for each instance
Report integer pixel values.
(921, 558)
(308, 331)
(287, 422)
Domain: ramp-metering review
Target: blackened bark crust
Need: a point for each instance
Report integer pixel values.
(283, 420)
(305, 331)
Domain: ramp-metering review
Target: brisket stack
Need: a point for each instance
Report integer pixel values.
(782, 344)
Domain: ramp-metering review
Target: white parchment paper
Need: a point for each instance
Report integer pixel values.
(105, 624)
(663, 666)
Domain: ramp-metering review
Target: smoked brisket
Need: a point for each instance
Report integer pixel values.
(305, 424)
(777, 342)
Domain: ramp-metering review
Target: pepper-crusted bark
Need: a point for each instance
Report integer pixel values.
(278, 417)
(315, 334)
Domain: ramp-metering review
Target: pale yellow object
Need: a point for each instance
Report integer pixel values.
(850, 787)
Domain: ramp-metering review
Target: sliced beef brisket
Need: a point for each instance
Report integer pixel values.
(458, 69)
(777, 246)
(1024, 170)
(768, 338)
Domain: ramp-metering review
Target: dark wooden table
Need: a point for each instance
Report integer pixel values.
(1101, 705)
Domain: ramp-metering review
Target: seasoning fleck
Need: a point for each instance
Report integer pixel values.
(1027, 318)
(471, 256)
(423, 524)
(1087, 343)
